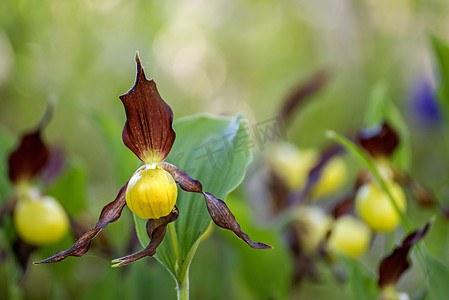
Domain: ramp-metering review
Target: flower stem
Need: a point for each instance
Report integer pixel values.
(183, 289)
(182, 280)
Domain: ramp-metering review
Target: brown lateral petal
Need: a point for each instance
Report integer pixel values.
(379, 141)
(314, 175)
(422, 194)
(102, 244)
(394, 265)
(344, 205)
(148, 131)
(218, 210)
(278, 191)
(28, 159)
(156, 229)
(109, 214)
(31, 155)
(55, 165)
(304, 91)
(304, 265)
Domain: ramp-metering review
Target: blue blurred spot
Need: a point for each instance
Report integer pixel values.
(424, 104)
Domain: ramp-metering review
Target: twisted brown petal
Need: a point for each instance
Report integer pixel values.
(109, 214)
(423, 195)
(55, 165)
(218, 210)
(148, 130)
(379, 141)
(305, 267)
(394, 265)
(314, 175)
(156, 229)
(304, 91)
(345, 204)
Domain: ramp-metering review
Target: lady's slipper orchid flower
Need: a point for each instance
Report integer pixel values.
(38, 219)
(151, 192)
(381, 142)
(371, 202)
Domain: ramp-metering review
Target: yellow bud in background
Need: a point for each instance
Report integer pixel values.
(151, 193)
(312, 224)
(374, 206)
(349, 236)
(333, 176)
(40, 220)
(293, 165)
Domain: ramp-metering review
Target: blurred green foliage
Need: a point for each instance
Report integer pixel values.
(222, 57)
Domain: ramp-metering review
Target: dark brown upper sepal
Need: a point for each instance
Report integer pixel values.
(29, 158)
(148, 130)
(32, 155)
(379, 141)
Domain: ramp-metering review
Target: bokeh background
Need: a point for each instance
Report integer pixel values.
(216, 56)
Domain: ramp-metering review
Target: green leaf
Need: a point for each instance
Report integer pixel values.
(441, 50)
(362, 281)
(6, 144)
(267, 274)
(70, 188)
(375, 110)
(216, 151)
(381, 108)
(438, 274)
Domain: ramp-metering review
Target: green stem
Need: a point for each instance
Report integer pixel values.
(183, 289)
(181, 275)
